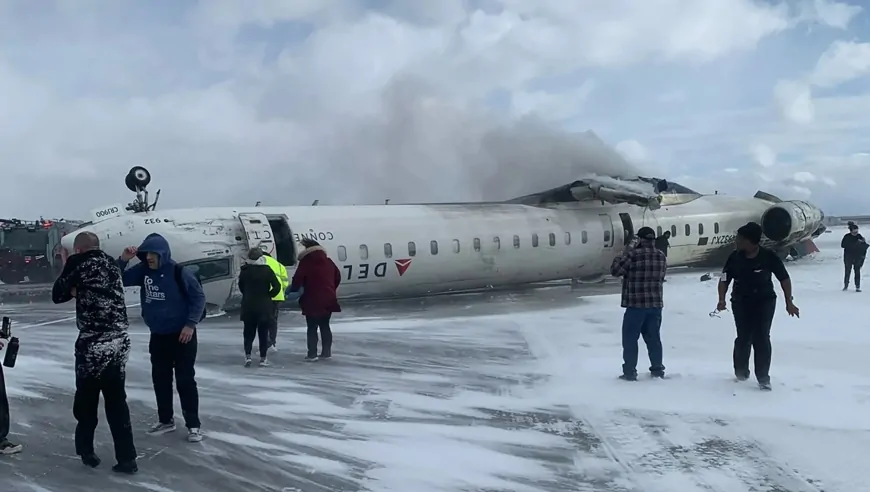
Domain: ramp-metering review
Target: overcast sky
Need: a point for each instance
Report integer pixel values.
(354, 101)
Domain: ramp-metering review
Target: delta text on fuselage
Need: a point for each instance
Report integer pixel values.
(570, 232)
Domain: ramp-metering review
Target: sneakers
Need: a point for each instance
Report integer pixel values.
(194, 435)
(8, 447)
(273, 348)
(127, 467)
(247, 361)
(325, 355)
(764, 385)
(628, 377)
(846, 287)
(160, 428)
(264, 362)
(311, 358)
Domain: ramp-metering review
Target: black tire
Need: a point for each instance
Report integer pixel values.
(137, 179)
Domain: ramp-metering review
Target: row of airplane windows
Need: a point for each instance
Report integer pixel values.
(433, 245)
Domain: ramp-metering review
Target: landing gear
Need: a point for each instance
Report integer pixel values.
(137, 181)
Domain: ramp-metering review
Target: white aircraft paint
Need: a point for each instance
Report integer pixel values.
(413, 250)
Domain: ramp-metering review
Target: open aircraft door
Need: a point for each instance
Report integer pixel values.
(258, 232)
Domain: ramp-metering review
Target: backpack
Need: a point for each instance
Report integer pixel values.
(181, 288)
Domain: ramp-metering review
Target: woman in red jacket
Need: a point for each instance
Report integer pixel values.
(317, 277)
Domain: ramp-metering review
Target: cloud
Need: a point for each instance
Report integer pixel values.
(795, 101)
(842, 62)
(831, 13)
(354, 102)
(764, 155)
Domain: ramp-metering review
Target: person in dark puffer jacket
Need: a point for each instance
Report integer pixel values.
(258, 285)
(101, 350)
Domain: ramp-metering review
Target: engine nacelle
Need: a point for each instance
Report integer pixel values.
(791, 221)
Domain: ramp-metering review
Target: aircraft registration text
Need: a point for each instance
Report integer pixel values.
(724, 239)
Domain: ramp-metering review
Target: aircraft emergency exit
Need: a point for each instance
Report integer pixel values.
(570, 232)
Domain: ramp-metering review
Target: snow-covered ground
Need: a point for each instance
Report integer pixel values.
(516, 395)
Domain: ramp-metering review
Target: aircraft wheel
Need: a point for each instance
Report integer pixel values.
(137, 179)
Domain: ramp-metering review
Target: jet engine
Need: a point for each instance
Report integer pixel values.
(791, 221)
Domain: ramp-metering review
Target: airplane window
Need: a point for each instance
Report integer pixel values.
(658, 231)
(516, 241)
(552, 239)
(534, 240)
(388, 250)
(363, 252)
(567, 238)
(497, 242)
(715, 228)
(584, 237)
(456, 245)
(208, 270)
(688, 230)
(700, 229)
(342, 253)
(606, 238)
(477, 244)
(412, 249)
(674, 231)
(433, 247)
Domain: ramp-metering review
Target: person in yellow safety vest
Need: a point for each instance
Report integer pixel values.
(281, 273)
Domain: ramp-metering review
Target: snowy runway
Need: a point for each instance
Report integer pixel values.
(516, 394)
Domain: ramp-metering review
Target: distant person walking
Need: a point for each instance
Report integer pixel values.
(854, 251)
(173, 304)
(101, 349)
(258, 285)
(663, 243)
(642, 268)
(319, 279)
(6, 446)
(753, 301)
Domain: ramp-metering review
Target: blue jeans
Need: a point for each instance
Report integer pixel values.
(645, 322)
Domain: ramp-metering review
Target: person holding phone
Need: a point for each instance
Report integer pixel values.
(6, 446)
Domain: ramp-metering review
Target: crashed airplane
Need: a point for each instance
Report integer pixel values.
(569, 232)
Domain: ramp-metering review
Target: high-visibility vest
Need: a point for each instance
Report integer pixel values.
(281, 273)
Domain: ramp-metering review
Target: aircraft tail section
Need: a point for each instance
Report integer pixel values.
(601, 188)
(763, 195)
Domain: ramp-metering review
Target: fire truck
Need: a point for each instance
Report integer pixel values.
(30, 251)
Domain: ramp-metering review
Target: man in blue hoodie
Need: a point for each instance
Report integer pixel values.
(172, 305)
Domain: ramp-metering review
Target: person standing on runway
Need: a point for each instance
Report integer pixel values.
(753, 301)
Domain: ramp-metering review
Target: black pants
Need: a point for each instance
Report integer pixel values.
(259, 329)
(168, 356)
(753, 319)
(4, 408)
(273, 327)
(850, 264)
(86, 407)
(322, 322)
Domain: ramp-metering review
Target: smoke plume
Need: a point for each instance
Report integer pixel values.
(416, 146)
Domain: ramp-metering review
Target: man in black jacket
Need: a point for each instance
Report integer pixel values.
(854, 251)
(258, 285)
(101, 350)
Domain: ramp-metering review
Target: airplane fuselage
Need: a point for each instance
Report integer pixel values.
(413, 250)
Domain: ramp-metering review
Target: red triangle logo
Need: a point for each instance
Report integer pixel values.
(402, 266)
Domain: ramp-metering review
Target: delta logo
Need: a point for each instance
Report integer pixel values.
(403, 265)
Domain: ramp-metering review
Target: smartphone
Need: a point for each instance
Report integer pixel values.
(6, 330)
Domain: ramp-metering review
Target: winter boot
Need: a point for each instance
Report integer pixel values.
(127, 467)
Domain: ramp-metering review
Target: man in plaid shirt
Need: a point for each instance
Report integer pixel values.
(642, 268)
